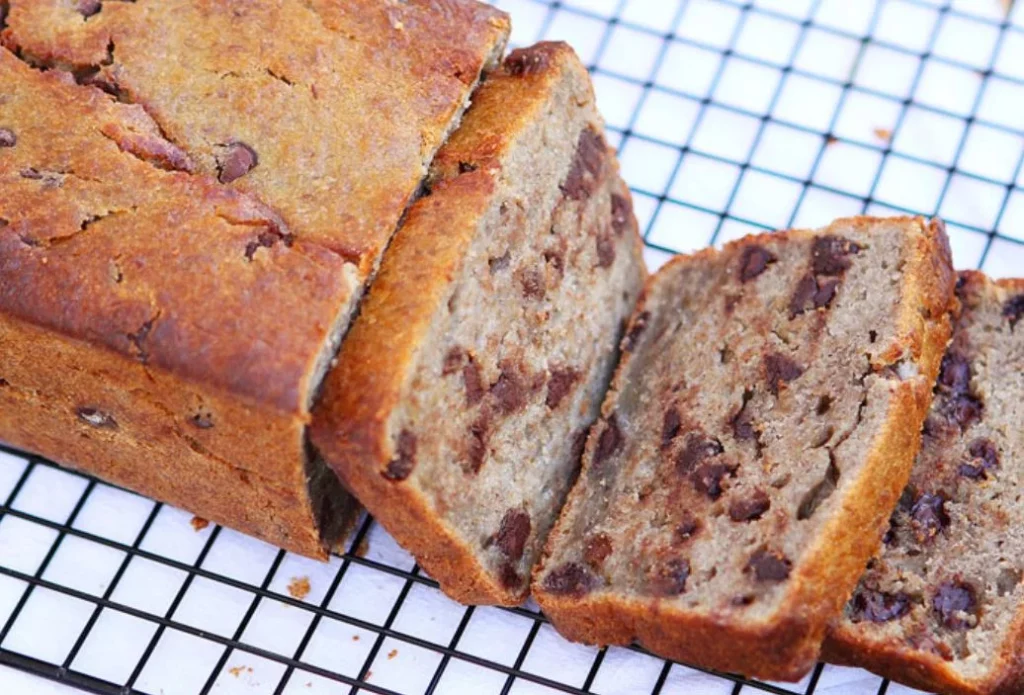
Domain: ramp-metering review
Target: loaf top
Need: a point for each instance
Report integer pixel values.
(212, 195)
(944, 595)
(328, 110)
(170, 269)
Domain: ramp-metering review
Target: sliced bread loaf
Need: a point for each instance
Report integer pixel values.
(942, 606)
(464, 391)
(758, 434)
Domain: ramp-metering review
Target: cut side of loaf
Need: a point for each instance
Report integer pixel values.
(480, 358)
(942, 605)
(760, 428)
(184, 241)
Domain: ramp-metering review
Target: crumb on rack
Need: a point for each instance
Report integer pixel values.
(236, 671)
(883, 134)
(831, 140)
(299, 587)
(392, 654)
(355, 638)
(199, 523)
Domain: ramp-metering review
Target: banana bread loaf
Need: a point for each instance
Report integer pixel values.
(942, 606)
(184, 233)
(760, 429)
(482, 352)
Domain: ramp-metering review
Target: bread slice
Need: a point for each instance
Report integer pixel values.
(466, 387)
(757, 436)
(942, 606)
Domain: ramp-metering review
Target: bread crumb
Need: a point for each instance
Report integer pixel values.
(355, 638)
(236, 671)
(367, 676)
(299, 587)
(199, 523)
(883, 134)
(831, 140)
(392, 654)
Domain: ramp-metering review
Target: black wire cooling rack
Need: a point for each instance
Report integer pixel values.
(730, 117)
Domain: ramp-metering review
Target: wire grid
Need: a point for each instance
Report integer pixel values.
(730, 117)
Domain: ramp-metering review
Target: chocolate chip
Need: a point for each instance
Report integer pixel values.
(88, 8)
(585, 171)
(928, 516)
(622, 210)
(743, 421)
(984, 458)
(964, 410)
(687, 528)
(698, 447)
(952, 600)
(769, 566)
(955, 374)
(560, 383)
(570, 579)
(708, 478)
(605, 251)
(478, 442)
(509, 390)
(824, 405)
(499, 263)
(8, 138)
(609, 442)
(527, 61)
(779, 370)
(404, 461)
(1013, 309)
(509, 576)
(670, 426)
(264, 240)
(812, 292)
(754, 261)
(531, 280)
(878, 606)
(237, 161)
(97, 418)
(474, 382)
(751, 508)
(453, 360)
(597, 549)
(203, 421)
(830, 255)
(670, 578)
(513, 533)
(636, 330)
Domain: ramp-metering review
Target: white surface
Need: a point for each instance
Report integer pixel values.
(684, 199)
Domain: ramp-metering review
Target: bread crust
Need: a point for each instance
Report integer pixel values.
(352, 421)
(788, 647)
(919, 668)
(166, 312)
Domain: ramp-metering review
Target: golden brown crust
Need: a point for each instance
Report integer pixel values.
(352, 419)
(920, 668)
(162, 326)
(788, 647)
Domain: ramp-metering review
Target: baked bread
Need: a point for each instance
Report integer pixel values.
(942, 606)
(178, 264)
(482, 352)
(759, 431)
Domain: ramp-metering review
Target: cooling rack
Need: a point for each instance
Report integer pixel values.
(731, 117)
